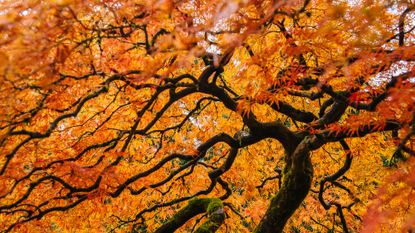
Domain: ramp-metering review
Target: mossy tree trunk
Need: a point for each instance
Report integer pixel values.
(212, 206)
(216, 216)
(296, 183)
(297, 178)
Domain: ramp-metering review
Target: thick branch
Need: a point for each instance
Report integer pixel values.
(297, 177)
(213, 207)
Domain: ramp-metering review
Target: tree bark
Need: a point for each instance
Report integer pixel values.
(216, 216)
(297, 178)
(213, 207)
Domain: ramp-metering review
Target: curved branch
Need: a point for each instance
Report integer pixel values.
(196, 206)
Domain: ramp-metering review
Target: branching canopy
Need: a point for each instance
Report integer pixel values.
(204, 116)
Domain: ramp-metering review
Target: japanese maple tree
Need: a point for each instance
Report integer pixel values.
(205, 116)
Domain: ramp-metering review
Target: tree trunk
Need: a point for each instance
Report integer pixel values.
(212, 206)
(297, 177)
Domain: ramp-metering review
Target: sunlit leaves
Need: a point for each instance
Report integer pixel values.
(112, 106)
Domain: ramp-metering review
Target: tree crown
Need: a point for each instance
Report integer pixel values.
(199, 115)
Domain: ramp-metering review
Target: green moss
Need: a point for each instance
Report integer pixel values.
(216, 216)
(200, 202)
(214, 205)
(194, 207)
(294, 188)
(204, 228)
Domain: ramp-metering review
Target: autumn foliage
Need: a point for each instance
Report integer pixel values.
(205, 116)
